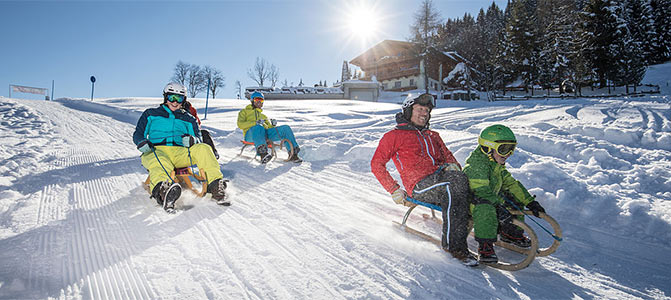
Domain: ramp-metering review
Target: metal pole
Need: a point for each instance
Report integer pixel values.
(10, 91)
(207, 97)
(52, 90)
(92, 86)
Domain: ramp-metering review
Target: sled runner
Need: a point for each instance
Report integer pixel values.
(183, 177)
(528, 253)
(271, 146)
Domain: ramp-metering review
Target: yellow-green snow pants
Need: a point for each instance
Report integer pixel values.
(172, 157)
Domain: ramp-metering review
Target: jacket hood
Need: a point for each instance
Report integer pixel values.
(405, 124)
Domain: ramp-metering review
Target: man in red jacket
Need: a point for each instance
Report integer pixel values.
(428, 169)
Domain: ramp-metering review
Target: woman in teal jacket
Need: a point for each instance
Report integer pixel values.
(169, 137)
(491, 183)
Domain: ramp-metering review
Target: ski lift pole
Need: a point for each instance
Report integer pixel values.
(550, 233)
(207, 97)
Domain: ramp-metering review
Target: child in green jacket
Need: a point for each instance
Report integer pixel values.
(491, 183)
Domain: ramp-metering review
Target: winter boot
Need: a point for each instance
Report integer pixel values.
(465, 257)
(166, 194)
(486, 253)
(262, 152)
(512, 234)
(218, 190)
(294, 157)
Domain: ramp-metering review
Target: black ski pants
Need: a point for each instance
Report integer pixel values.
(449, 190)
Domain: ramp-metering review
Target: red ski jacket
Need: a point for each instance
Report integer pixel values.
(416, 153)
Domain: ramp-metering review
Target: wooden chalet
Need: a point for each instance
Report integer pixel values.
(396, 65)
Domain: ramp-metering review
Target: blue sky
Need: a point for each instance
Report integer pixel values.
(131, 47)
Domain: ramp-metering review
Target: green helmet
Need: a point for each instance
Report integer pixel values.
(496, 137)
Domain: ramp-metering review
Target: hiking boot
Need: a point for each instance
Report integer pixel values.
(166, 194)
(218, 190)
(262, 152)
(518, 239)
(466, 258)
(486, 253)
(294, 157)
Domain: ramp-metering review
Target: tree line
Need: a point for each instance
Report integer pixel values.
(196, 78)
(545, 42)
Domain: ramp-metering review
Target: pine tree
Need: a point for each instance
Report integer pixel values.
(661, 45)
(599, 26)
(641, 25)
(556, 39)
(522, 38)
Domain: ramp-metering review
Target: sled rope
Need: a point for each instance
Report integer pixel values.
(164, 170)
(550, 233)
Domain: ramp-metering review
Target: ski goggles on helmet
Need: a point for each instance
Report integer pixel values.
(258, 99)
(503, 148)
(426, 100)
(175, 98)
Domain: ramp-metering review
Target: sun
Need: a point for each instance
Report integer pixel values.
(363, 22)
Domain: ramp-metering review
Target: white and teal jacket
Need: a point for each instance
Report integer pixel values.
(161, 126)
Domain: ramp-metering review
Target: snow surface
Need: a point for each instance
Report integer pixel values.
(76, 223)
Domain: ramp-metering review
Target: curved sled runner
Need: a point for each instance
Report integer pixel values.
(271, 146)
(183, 177)
(528, 253)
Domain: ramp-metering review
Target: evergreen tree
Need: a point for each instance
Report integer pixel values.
(523, 43)
(641, 25)
(661, 45)
(599, 27)
(556, 39)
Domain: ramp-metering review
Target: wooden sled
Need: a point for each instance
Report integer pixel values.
(528, 253)
(271, 146)
(183, 177)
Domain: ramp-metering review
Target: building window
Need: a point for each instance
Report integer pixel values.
(412, 81)
(397, 84)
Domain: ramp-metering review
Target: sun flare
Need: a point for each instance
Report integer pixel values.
(363, 22)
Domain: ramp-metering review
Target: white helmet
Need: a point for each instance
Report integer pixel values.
(174, 88)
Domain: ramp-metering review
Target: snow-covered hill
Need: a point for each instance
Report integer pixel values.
(76, 223)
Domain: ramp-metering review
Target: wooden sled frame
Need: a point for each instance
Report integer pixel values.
(271, 146)
(530, 252)
(181, 176)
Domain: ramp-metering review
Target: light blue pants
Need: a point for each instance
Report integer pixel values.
(258, 135)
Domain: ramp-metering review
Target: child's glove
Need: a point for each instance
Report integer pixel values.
(535, 208)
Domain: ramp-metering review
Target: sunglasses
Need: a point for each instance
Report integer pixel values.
(258, 100)
(503, 148)
(176, 98)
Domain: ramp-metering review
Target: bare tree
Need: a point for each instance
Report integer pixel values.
(274, 75)
(261, 71)
(238, 86)
(424, 33)
(285, 82)
(195, 81)
(181, 71)
(215, 78)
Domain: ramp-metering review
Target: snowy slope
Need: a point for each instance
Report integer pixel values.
(75, 222)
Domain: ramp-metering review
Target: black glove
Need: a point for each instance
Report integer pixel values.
(535, 208)
(503, 215)
(145, 146)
